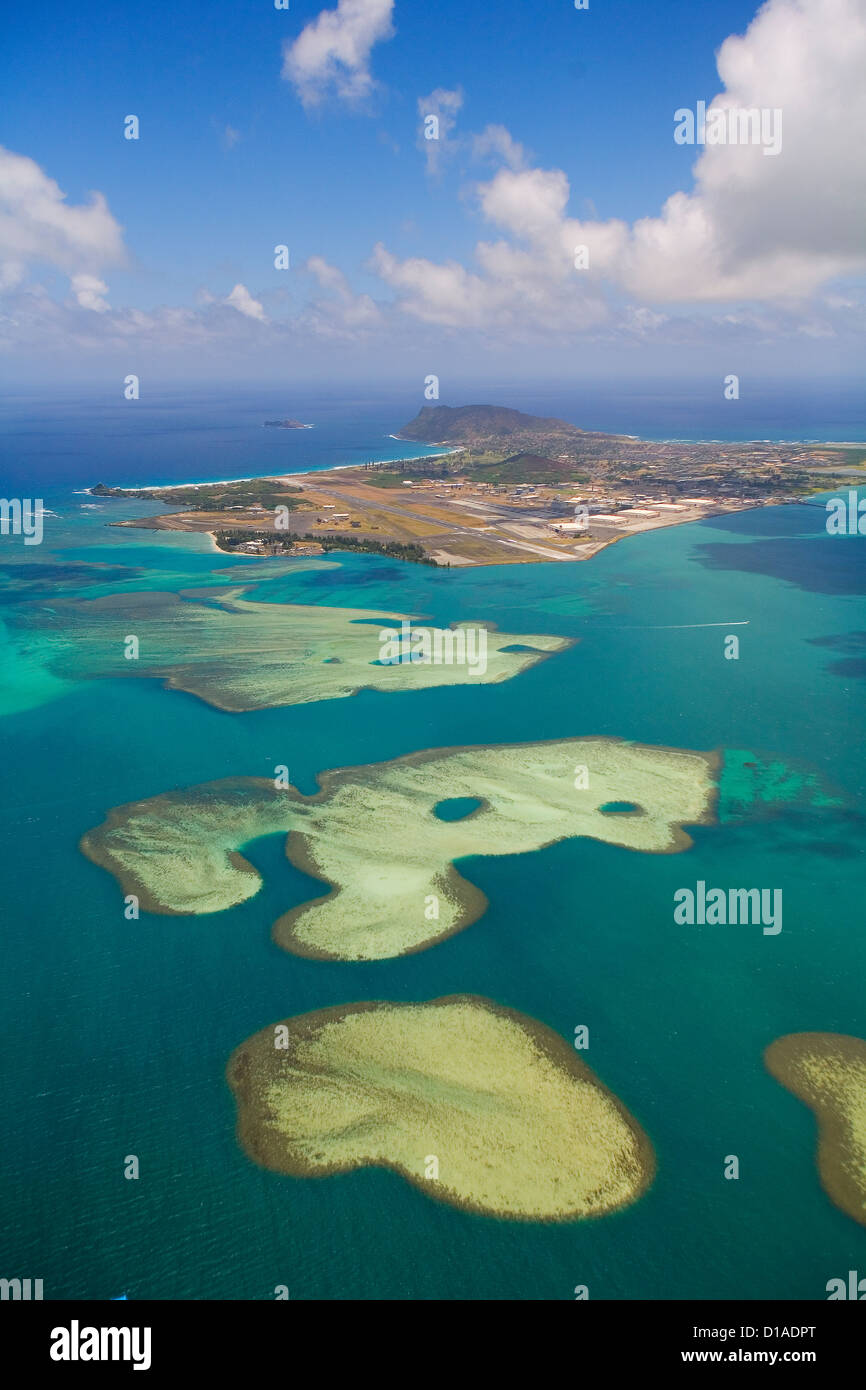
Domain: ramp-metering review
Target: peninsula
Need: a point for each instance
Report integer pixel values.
(510, 488)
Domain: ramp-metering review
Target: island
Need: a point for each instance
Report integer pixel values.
(488, 424)
(287, 425)
(477, 1105)
(385, 840)
(509, 488)
(827, 1071)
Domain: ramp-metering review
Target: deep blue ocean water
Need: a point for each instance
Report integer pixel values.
(116, 1033)
(172, 434)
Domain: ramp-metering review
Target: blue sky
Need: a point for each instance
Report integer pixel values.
(233, 161)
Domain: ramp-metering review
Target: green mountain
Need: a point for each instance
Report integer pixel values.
(526, 468)
(465, 424)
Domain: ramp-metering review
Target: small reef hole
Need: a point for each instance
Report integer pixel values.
(456, 807)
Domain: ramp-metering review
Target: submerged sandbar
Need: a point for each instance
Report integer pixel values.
(372, 834)
(238, 654)
(828, 1072)
(477, 1105)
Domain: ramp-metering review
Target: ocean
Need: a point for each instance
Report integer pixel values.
(116, 1033)
(172, 434)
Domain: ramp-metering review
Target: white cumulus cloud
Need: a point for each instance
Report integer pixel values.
(753, 227)
(771, 227)
(38, 227)
(333, 52)
(241, 299)
(89, 291)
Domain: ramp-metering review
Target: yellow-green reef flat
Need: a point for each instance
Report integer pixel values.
(477, 1105)
(828, 1072)
(237, 654)
(178, 852)
(373, 834)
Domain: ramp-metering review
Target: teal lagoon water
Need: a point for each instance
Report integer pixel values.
(116, 1033)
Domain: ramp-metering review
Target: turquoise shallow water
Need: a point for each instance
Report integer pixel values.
(116, 1033)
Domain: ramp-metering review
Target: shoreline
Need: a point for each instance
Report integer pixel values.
(681, 439)
(274, 477)
(446, 451)
(445, 528)
(594, 549)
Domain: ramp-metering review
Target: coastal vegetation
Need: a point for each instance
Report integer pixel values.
(495, 436)
(272, 540)
(395, 550)
(266, 493)
(503, 492)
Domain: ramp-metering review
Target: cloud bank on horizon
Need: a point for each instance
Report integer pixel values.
(753, 246)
